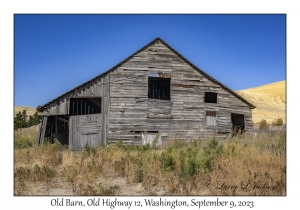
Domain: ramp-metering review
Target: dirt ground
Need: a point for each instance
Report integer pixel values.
(58, 188)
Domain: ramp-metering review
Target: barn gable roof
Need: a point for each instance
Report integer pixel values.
(142, 49)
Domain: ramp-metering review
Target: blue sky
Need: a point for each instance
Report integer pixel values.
(55, 53)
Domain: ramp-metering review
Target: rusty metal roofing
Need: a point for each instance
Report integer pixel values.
(142, 49)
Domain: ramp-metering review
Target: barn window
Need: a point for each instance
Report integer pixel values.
(82, 106)
(211, 118)
(159, 88)
(210, 97)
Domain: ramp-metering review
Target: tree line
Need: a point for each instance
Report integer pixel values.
(22, 120)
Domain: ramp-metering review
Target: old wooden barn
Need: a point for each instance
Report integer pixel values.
(154, 92)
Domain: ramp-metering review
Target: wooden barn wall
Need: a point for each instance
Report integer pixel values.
(132, 112)
(96, 88)
(92, 89)
(85, 129)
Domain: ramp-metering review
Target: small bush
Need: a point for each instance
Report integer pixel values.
(192, 166)
(96, 189)
(36, 173)
(213, 148)
(111, 190)
(167, 161)
(87, 149)
(23, 142)
(138, 171)
(277, 122)
(263, 125)
(120, 144)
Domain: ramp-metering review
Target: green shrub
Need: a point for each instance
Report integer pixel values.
(23, 142)
(111, 190)
(193, 159)
(207, 163)
(192, 166)
(167, 161)
(211, 152)
(213, 148)
(263, 125)
(87, 149)
(277, 122)
(120, 144)
(138, 170)
(48, 146)
(37, 173)
(145, 147)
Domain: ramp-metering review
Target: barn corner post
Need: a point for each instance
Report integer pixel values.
(42, 129)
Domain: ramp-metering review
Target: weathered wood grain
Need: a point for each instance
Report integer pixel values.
(131, 110)
(127, 111)
(86, 129)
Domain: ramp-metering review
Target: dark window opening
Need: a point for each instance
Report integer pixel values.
(81, 106)
(210, 97)
(143, 131)
(159, 88)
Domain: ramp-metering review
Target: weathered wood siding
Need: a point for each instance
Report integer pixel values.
(85, 129)
(96, 88)
(131, 111)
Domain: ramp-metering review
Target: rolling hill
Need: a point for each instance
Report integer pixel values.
(270, 101)
(29, 110)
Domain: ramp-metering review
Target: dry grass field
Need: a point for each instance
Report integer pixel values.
(30, 132)
(270, 101)
(241, 166)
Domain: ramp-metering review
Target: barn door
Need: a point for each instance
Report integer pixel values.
(85, 129)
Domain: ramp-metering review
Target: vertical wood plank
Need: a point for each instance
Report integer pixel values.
(71, 133)
(102, 112)
(107, 115)
(43, 127)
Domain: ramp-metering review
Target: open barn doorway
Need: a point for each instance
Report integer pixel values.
(85, 123)
(82, 124)
(238, 123)
(54, 127)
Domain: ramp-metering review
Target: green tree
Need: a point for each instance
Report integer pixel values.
(21, 120)
(24, 118)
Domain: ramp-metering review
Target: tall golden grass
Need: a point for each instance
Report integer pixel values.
(270, 101)
(240, 166)
(30, 132)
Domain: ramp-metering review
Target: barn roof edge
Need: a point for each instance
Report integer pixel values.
(143, 48)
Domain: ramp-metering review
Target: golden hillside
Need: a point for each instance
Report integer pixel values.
(270, 101)
(29, 110)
